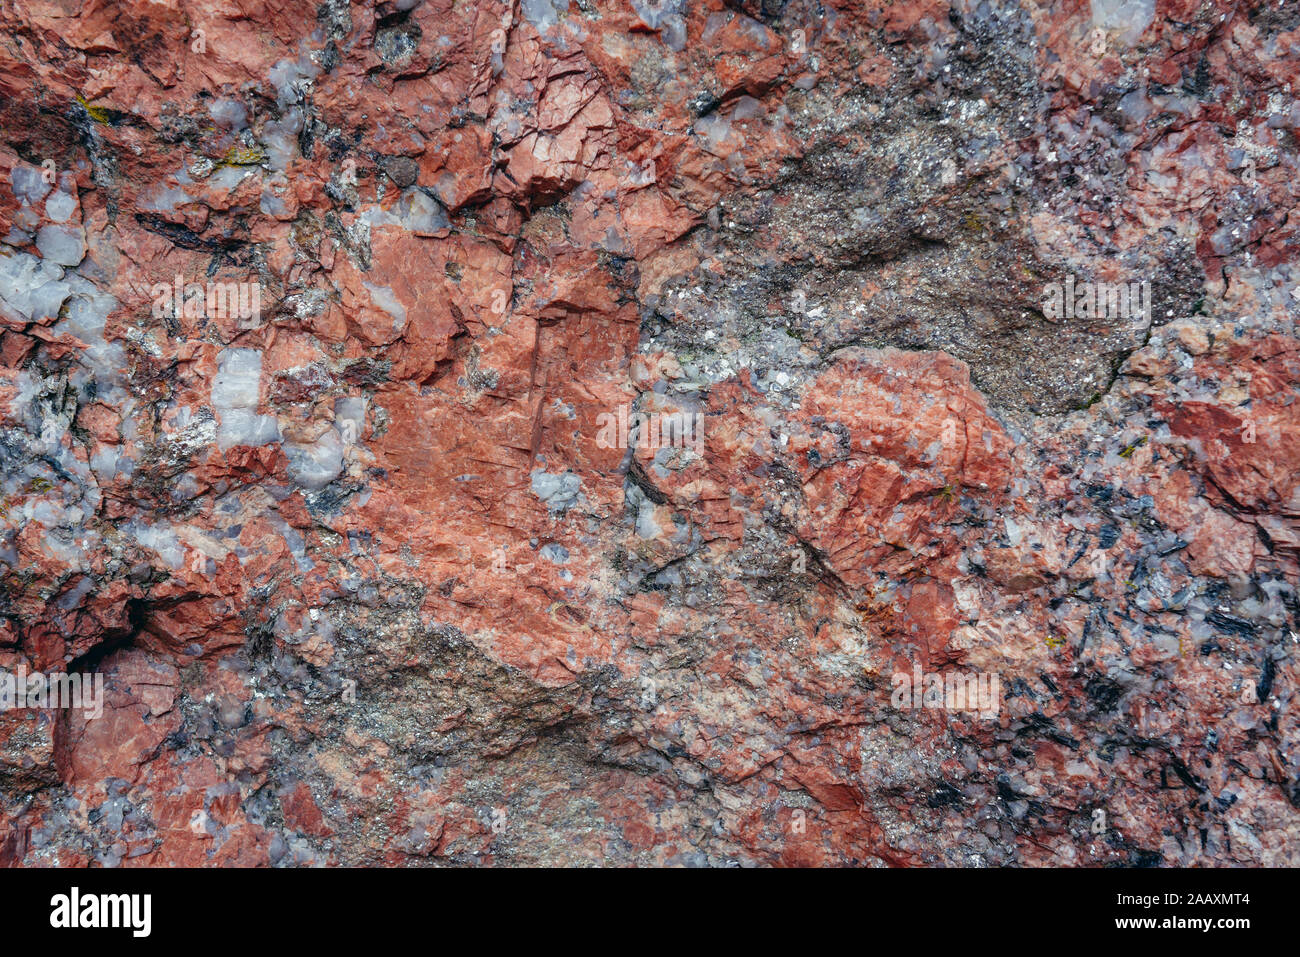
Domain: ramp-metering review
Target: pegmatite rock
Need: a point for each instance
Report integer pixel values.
(581, 431)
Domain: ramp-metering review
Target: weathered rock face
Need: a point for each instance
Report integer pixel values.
(332, 343)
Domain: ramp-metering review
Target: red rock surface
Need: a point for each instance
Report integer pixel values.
(366, 587)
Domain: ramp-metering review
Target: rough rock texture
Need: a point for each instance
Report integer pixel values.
(363, 584)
